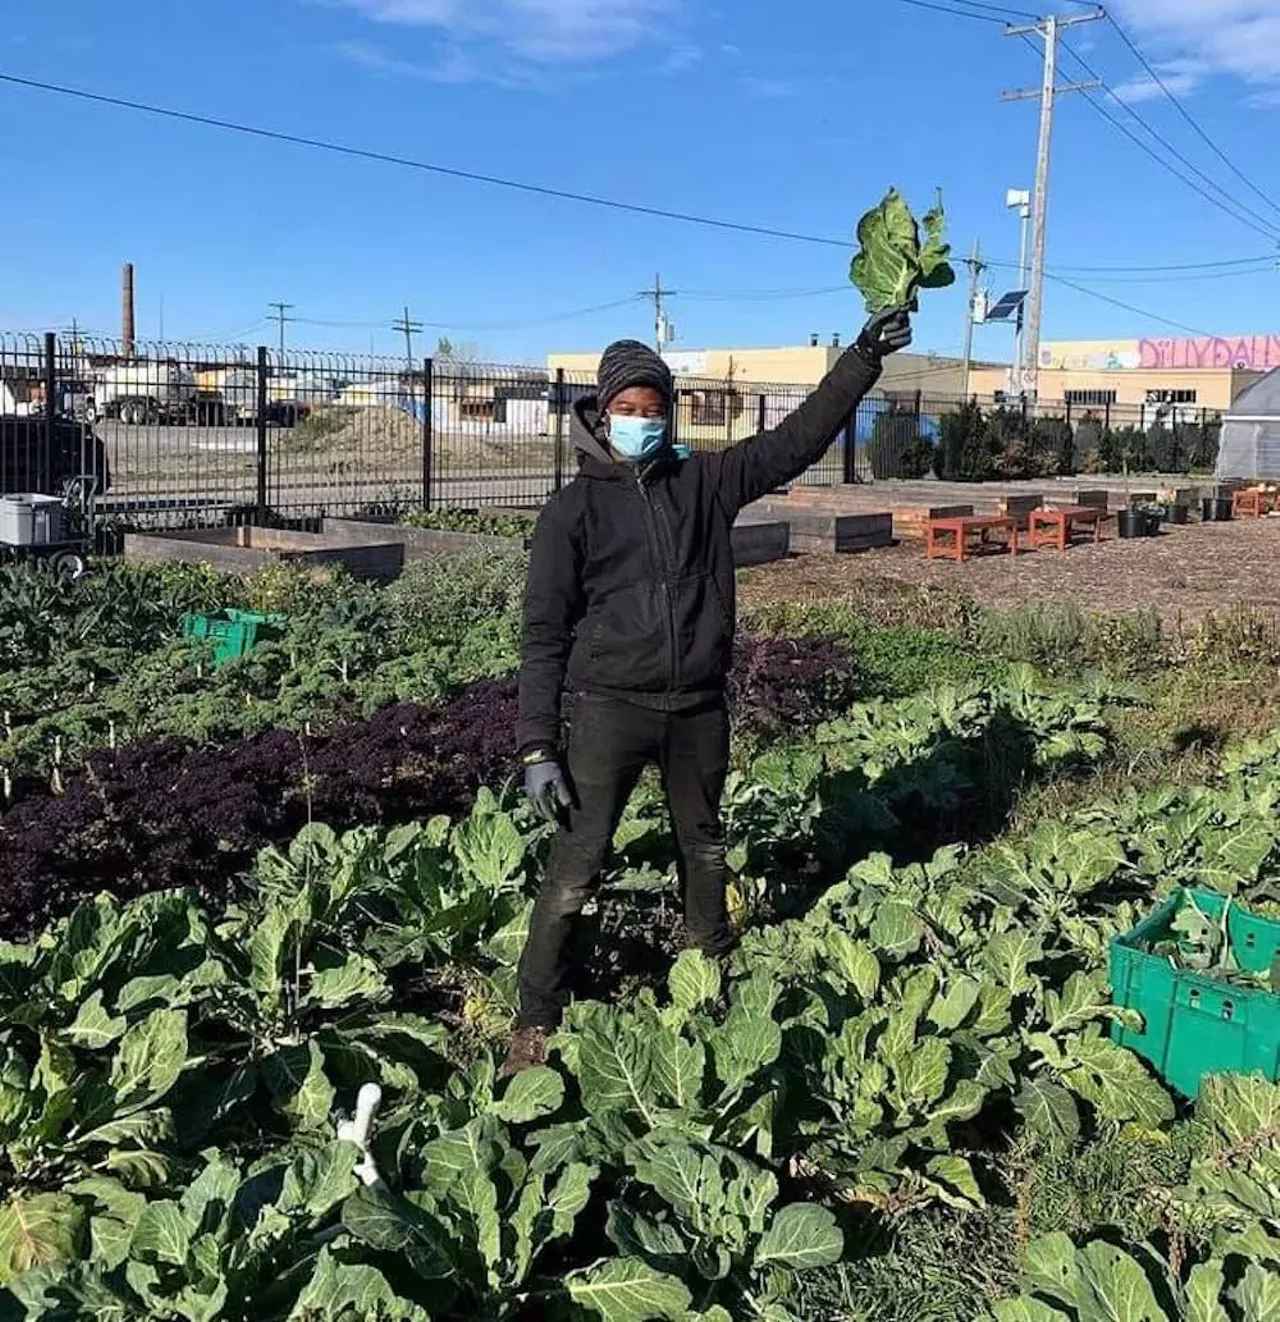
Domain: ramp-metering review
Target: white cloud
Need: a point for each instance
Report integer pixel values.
(1181, 77)
(772, 89)
(536, 31)
(1235, 37)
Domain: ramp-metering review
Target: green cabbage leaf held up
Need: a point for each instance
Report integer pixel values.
(893, 265)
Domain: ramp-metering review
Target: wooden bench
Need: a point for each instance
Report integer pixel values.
(1058, 527)
(1252, 504)
(948, 539)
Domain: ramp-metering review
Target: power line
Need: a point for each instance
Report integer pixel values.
(663, 331)
(1050, 29)
(955, 13)
(1260, 266)
(761, 295)
(295, 140)
(1263, 226)
(516, 324)
(996, 9)
(1190, 118)
(281, 317)
(450, 172)
(1186, 266)
(1127, 307)
(408, 328)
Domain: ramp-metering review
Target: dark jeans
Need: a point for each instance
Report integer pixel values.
(610, 744)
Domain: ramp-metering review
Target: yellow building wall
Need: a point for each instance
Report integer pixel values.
(1215, 388)
(800, 365)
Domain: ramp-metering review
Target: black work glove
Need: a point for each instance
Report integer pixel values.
(885, 333)
(547, 788)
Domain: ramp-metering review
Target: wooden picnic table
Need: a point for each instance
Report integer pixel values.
(1252, 504)
(1057, 527)
(948, 539)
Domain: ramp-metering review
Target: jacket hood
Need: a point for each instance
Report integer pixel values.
(584, 431)
(596, 459)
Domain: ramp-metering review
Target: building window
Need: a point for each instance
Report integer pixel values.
(903, 401)
(1089, 398)
(1171, 396)
(714, 408)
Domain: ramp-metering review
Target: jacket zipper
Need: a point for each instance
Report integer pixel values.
(665, 559)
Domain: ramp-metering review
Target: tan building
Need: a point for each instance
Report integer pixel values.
(728, 394)
(1144, 380)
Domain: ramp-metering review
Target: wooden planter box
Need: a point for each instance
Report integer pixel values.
(1093, 497)
(824, 532)
(418, 543)
(245, 550)
(1020, 508)
(913, 520)
(759, 543)
(841, 532)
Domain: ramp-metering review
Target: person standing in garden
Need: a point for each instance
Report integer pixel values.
(629, 606)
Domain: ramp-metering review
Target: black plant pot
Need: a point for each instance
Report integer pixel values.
(1178, 514)
(1138, 523)
(1215, 510)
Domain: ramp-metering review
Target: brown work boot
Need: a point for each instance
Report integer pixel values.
(528, 1050)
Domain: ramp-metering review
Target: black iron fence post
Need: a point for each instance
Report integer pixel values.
(762, 413)
(428, 430)
(557, 404)
(261, 420)
(50, 411)
(850, 455)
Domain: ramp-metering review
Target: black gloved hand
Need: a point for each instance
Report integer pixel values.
(547, 788)
(885, 333)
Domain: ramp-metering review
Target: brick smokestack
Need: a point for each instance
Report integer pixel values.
(127, 322)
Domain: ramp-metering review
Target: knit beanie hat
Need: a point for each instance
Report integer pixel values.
(629, 363)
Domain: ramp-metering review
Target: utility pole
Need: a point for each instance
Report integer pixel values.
(1049, 29)
(408, 328)
(663, 330)
(976, 267)
(281, 316)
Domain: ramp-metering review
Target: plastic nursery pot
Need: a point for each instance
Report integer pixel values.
(1178, 514)
(1215, 510)
(1137, 523)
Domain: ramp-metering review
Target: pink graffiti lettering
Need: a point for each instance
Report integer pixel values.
(1257, 353)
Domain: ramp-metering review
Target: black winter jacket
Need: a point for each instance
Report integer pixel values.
(631, 578)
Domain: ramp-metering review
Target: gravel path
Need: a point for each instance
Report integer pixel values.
(1184, 572)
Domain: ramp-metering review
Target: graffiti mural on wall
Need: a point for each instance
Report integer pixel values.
(1254, 353)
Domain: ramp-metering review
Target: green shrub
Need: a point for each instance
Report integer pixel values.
(438, 598)
(897, 447)
(1061, 638)
(472, 521)
(963, 454)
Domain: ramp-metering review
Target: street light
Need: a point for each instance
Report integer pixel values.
(1019, 200)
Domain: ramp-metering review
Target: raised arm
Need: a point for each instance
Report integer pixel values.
(753, 468)
(552, 608)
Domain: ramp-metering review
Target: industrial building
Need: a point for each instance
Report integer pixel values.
(1151, 379)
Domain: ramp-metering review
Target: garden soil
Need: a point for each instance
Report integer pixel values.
(1183, 573)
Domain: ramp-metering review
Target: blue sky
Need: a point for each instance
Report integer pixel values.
(794, 116)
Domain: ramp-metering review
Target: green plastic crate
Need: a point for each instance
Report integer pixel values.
(234, 633)
(1195, 1024)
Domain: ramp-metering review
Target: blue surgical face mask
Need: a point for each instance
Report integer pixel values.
(636, 438)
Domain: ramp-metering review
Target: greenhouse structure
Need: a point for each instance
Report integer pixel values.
(1250, 446)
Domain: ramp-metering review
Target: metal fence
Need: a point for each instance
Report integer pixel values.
(202, 434)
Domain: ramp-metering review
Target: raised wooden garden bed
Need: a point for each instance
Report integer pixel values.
(245, 550)
(418, 543)
(759, 542)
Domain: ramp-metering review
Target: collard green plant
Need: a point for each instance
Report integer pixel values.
(894, 263)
